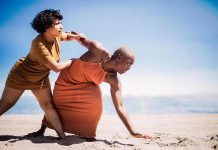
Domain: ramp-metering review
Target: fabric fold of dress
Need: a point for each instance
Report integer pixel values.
(77, 97)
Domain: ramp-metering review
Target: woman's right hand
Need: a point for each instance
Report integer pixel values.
(78, 36)
(75, 36)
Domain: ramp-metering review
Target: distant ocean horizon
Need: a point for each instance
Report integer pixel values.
(137, 105)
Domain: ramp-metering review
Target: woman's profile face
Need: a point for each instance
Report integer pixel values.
(56, 28)
(124, 64)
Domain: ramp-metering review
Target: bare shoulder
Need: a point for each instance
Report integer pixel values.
(96, 49)
(112, 79)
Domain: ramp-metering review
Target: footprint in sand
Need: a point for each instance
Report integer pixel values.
(214, 142)
(166, 140)
(215, 137)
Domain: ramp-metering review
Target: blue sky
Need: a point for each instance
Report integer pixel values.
(175, 41)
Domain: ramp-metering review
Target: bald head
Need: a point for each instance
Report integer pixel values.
(124, 52)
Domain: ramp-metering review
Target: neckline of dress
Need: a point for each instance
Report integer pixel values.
(92, 63)
(44, 40)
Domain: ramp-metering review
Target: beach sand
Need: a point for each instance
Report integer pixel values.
(171, 132)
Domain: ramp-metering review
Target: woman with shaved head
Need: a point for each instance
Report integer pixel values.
(77, 95)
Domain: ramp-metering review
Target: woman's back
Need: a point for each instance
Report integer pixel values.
(77, 97)
(81, 72)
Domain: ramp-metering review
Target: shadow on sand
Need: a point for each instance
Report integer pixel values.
(69, 140)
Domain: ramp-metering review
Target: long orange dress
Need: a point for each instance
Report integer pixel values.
(77, 97)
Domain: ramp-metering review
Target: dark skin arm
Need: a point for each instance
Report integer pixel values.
(95, 47)
(115, 90)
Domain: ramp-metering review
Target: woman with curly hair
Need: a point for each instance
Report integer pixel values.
(31, 72)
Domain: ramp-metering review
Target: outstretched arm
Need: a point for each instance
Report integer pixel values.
(117, 101)
(94, 46)
(57, 67)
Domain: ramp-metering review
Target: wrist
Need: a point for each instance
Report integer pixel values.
(132, 132)
(81, 39)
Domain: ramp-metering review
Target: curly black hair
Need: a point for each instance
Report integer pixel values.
(45, 19)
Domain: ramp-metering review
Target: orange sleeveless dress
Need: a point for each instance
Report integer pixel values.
(77, 97)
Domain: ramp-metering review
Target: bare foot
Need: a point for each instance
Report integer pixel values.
(40, 132)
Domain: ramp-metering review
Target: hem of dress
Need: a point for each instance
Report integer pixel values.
(25, 88)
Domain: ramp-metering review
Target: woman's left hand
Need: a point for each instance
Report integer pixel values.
(139, 135)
